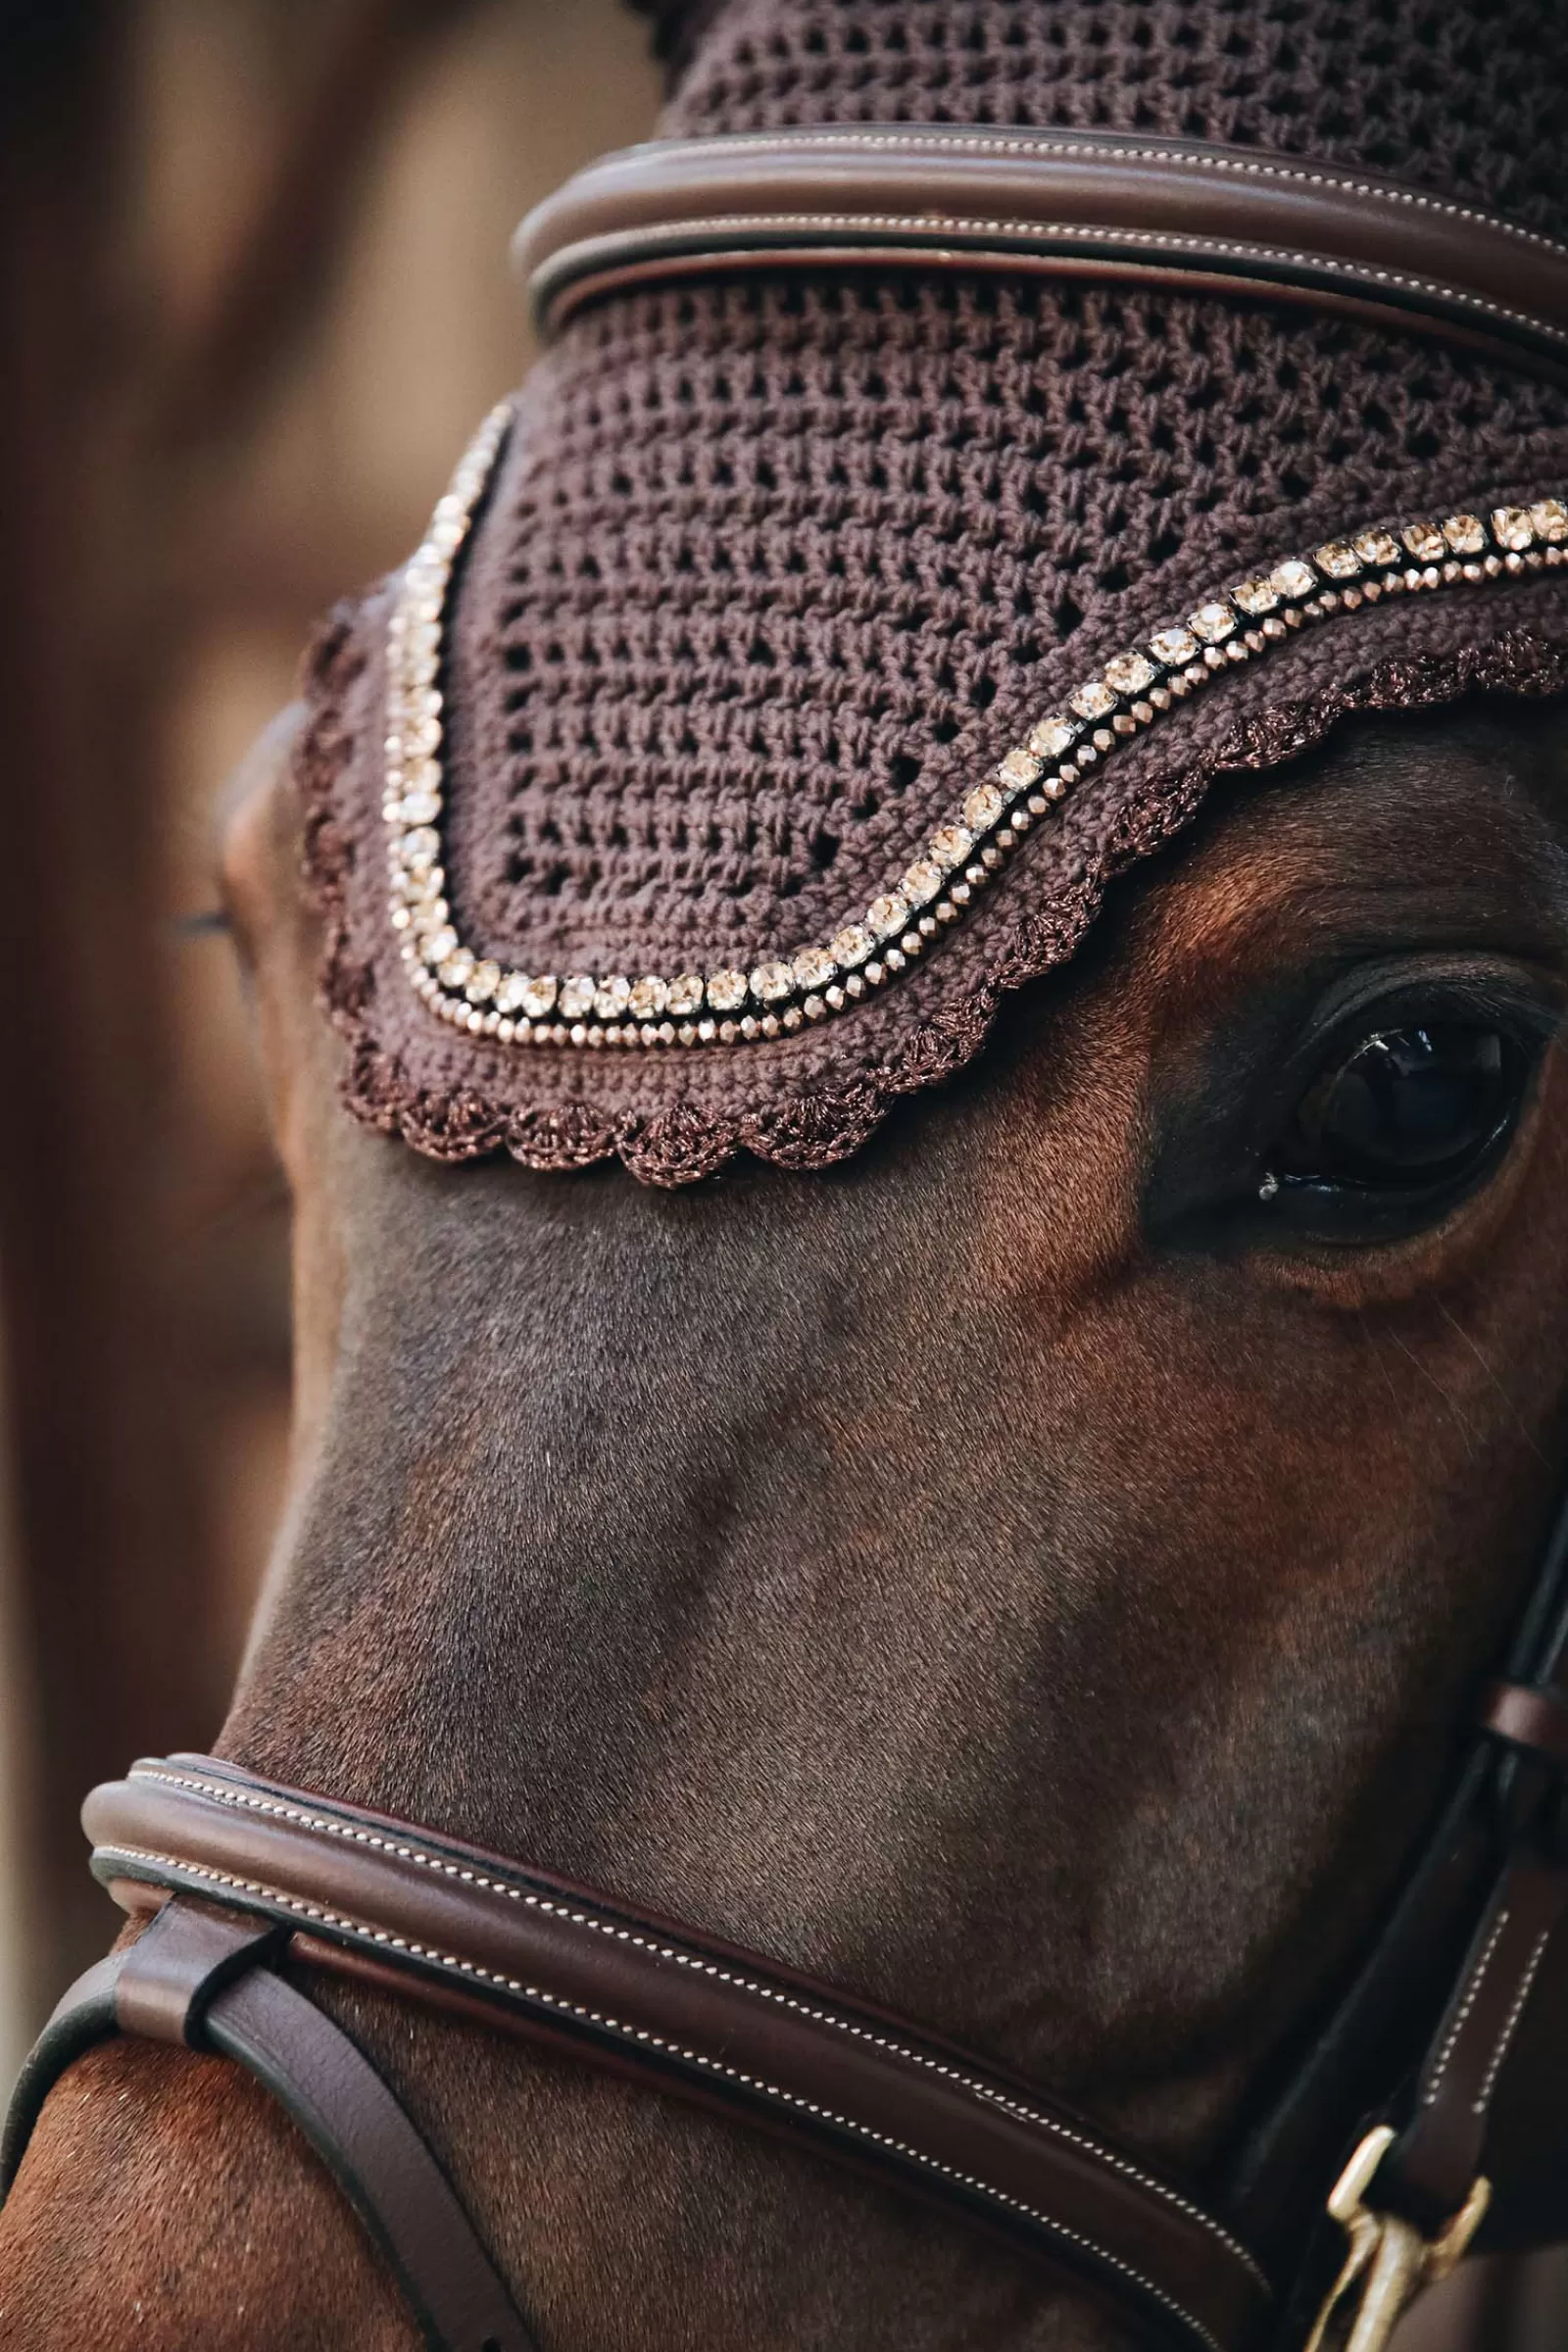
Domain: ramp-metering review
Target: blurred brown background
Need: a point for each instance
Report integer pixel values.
(253, 269)
(254, 293)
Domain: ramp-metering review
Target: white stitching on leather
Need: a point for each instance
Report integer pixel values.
(756, 2084)
(1155, 240)
(910, 142)
(1483, 2098)
(1472, 1990)
(980, 2089)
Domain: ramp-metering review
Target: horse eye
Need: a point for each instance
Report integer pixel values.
(1409, 1111)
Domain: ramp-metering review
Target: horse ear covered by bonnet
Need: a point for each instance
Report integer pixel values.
(799, 655)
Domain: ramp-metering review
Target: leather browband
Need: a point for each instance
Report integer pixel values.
(1099, 204)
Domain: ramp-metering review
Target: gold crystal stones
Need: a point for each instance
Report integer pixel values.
(852, 946)
(726, 991)
(771, 982)
(965, 846)
(1050, 738)
(1129, 673)
(1213, 623)
(421, 847)
(1174, 648)
(813, 968)
(887, 915)
(1295, 580)
(921, 882)
(1425, 542)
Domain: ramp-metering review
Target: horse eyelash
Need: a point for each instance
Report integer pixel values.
(206, 922)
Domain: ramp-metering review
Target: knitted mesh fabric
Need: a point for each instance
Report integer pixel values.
(1461, 96)
(774, 569)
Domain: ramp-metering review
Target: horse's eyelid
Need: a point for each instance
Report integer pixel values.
(1540, 1011)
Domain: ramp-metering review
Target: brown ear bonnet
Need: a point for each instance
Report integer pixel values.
(796, 659)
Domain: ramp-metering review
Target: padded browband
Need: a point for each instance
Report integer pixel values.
(1099, 204)
(689, 2015)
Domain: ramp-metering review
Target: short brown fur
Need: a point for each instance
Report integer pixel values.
(951, 1573)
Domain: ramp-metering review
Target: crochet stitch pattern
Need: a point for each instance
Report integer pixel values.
(774, 572)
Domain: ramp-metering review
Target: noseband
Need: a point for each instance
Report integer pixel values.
(251, 1893)
(255, 1891)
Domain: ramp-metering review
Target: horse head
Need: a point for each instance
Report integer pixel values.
(994, 1470)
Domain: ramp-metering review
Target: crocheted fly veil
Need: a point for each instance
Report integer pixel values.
(797, 658)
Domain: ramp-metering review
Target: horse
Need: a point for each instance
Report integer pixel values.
(1034, 1571)
(1054, 1628)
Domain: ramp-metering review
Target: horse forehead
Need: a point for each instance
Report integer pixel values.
(1394, 828)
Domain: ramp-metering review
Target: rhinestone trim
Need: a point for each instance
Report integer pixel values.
(780, 992)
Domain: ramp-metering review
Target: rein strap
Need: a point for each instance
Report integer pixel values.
(207, 1978)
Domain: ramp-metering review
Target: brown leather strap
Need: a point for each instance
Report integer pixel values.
(1381, 2049)
(1531, 1717)
(378, 2159)
(1429, 2171)
(1068, 203)
(180, 1962)
(197, 1974)
(1433, 2165)
(688, 2014)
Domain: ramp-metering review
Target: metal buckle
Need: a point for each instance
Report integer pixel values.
(1387, 2258)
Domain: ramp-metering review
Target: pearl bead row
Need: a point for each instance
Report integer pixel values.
(782, 992)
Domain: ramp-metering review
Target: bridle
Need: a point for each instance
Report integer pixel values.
(250, 1891)
(250, 1887)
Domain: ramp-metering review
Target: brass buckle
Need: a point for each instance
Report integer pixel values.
(1387, 2258)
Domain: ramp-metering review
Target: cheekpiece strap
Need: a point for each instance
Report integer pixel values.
(1099, 205)
(1436, 2160)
